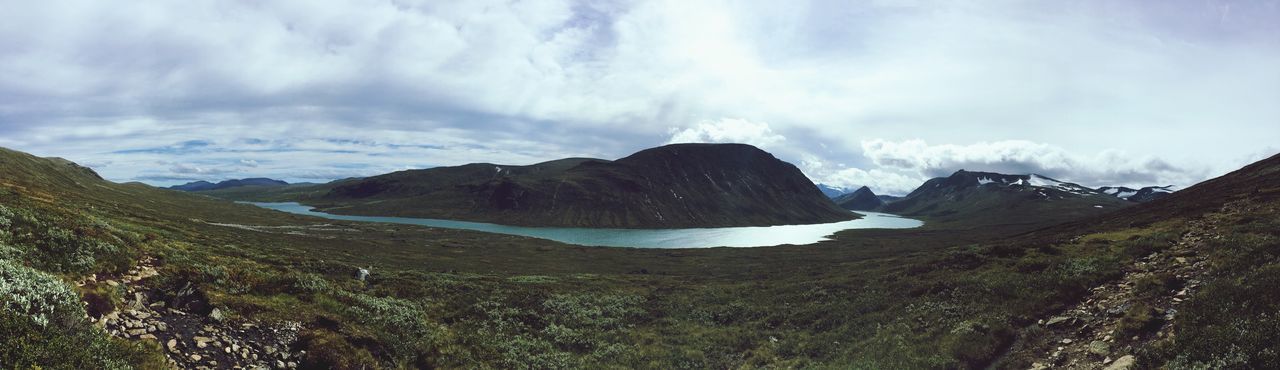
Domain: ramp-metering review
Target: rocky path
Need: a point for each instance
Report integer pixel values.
(192, 340)
(1088, 335)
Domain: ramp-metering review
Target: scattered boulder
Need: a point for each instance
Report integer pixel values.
(1099, 348)
(1056, 320)
(1122, 363)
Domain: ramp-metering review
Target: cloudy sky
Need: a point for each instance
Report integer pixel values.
(878, 93)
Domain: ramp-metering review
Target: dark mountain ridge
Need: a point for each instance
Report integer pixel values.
(679, 185)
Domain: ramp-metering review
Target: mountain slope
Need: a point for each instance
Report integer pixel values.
(993, 198)
(680, 185)
(226, 184)
(859, 200)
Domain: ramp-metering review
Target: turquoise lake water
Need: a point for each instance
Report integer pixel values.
(752, 236)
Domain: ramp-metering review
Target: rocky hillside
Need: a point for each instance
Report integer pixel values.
(986, 197)
(862, 199)
(681, 185)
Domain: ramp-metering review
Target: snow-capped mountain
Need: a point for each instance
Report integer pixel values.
(988, 197)
(1145, 194)
(832, 191)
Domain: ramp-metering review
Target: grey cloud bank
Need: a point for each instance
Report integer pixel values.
(881, 93)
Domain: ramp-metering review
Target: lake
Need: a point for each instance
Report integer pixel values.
(751, 236)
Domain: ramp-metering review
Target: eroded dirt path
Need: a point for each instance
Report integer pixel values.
(193, 339)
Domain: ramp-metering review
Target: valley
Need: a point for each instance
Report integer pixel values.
(957, 292)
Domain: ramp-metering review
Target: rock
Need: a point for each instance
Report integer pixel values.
(291, 364)
(147, 336)
(216, 315)
(279, 364)
(1123, 363)
(1066, 341)
(1099, 348)
(195, 357)
(172, 345)
(136, 332)
(1056, 320)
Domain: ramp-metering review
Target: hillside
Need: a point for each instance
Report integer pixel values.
(674, 186)
(862, 199)
(991, 198)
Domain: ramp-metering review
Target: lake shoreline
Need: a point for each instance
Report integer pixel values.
(738, 237)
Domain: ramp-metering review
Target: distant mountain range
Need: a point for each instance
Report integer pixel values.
(987, 197)
(1142, 195)
(680, 185)
(832, 191)
(207, 186)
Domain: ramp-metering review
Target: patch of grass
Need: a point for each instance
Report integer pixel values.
(1139, 319)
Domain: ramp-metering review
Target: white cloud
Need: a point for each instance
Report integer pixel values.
(1108, 167)
(727, 130)
(541, 79)
(884, 182)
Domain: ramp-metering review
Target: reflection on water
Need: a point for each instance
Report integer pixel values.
(754, 236)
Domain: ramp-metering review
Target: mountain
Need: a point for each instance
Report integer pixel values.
(674, 186)
(859, 200)
(993, 198)
(831, 191)
(207, 186)
(1142, 195)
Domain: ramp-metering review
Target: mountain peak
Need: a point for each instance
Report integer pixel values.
(862, 199)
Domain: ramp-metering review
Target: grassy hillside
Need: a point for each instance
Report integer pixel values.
(943, 296)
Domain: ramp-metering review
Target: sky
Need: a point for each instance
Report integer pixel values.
(879, 93)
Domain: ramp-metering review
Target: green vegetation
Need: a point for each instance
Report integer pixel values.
(42, 321)
(1232, 322)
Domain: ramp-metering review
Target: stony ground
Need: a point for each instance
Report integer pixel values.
(1087, 335)
(192, 340)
